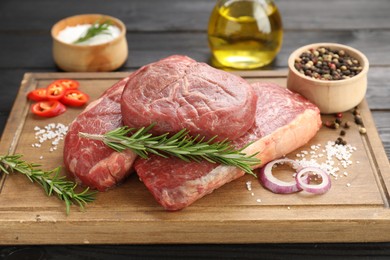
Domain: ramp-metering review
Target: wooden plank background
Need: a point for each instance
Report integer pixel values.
(159, 28)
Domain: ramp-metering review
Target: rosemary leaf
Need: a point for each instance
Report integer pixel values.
(180, 145)
(95, 29)
(51, 181)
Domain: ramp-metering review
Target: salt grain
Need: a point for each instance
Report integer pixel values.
(51, 132)
(332, 151)
(249, 185)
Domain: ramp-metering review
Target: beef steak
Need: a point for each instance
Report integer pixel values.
(91, 162)
(178, 92)
(284, 121)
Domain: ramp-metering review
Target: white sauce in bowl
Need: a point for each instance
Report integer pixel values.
(72, 33)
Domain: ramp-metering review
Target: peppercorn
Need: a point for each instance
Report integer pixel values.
(339, 115)
(338, 121)
(335, 125)
(347, 124)
(340, 141)
(328, 124)
(362, 130)
(358, 120)
(356, 112)
(327, 64)
(342, 132)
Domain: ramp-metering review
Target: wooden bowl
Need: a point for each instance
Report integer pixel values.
(331, 96)
(80, 58)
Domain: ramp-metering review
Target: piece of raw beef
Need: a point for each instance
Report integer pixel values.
(91, 162)
(284, 122)
(178, 92)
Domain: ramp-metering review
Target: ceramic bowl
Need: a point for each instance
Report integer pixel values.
(107, 56)
(331, 96)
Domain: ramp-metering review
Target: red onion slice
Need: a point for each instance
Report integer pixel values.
(278, 186)
(320, 188)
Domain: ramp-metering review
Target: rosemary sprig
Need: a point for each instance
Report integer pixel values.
(180, 145)
(49, 180)
(95, 29)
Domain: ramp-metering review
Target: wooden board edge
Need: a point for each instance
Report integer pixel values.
(16, 119)
(379, 159)
(33, 230)
(261, 73)
(82, 75)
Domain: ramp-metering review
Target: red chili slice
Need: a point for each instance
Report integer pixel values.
(67, 83)
(74, 98)
(37, 94)
(48, 108)
(55, 91)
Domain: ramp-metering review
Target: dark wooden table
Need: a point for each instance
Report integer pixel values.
(157, 29)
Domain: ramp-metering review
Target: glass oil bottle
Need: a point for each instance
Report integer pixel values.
(244, 34)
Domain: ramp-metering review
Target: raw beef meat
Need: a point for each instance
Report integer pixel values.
(91, 162)
(284, 121)
(178, 92)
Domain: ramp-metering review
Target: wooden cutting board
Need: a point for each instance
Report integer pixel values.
(356, 209)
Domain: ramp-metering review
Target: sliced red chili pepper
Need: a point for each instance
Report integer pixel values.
(67, 83)
(74, 98)
(37, 94)
(55, 91)
(48, 108)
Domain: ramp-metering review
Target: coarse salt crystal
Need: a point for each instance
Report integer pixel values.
(52, 131)
(332, 151)
(249, 185)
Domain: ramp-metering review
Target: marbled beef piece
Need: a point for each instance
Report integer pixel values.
(284, 122)
(178, 92)
(90, 162)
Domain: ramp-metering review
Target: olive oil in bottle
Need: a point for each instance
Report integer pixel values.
(245, 34)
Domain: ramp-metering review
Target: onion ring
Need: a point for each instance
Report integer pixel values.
(278, 186)
(320, 188)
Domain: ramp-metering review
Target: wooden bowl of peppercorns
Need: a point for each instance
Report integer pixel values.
(333, 76)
